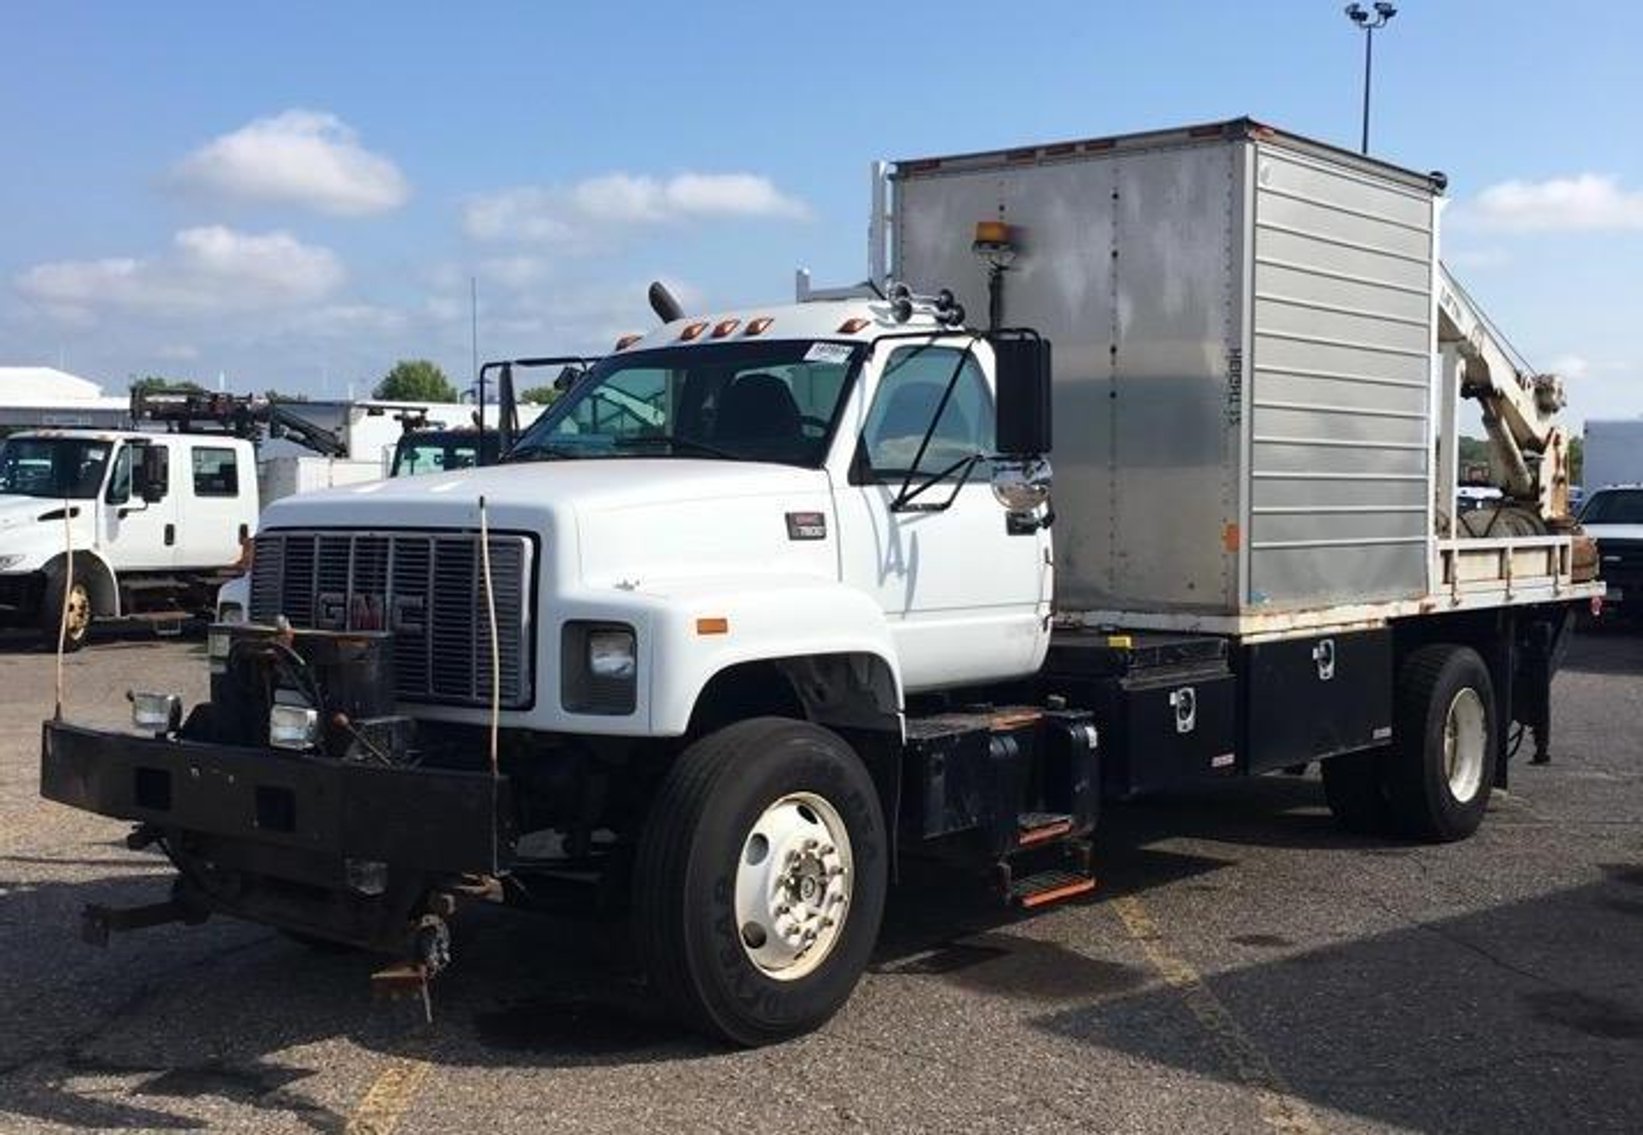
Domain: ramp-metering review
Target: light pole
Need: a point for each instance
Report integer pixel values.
(1356, 13)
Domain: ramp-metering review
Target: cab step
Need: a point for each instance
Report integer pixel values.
(1049, 886)
(1035, 828)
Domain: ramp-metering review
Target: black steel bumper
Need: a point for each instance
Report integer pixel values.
(292, 808)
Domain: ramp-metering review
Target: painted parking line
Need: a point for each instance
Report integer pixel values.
(1279, 1108)
(391, 1094)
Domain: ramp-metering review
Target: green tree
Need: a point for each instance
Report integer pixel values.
(540, 395)
(415, 380)
(155, 383)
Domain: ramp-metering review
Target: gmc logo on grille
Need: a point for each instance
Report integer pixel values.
(334, 611)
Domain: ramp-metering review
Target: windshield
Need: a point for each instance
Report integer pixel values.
(1614, 506)
(438, 453)
(54, 467)
(774, 400)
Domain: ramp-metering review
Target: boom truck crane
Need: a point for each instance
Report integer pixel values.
(1528, 446)
(772, 599)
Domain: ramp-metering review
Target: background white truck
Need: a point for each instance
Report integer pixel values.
(155, 522)
(772, 598)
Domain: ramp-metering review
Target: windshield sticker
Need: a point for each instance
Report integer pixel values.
(838, 353)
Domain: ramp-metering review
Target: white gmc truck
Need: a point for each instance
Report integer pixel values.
(770, 599)
(155, 523)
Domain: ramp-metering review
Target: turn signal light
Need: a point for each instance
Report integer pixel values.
(992, 233)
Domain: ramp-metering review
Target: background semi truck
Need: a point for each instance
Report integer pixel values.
(773, 599)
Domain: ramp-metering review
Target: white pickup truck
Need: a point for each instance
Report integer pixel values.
(155, 523)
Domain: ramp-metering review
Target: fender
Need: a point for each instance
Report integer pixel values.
(702, 627)
(99, 576)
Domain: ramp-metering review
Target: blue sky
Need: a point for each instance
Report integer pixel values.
(296, 194)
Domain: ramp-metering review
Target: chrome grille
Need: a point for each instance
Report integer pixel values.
(426, 587)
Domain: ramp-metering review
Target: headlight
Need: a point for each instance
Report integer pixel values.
(9, 562)
(599, 668)
(293, 726)
(156, 713)
(611, 655)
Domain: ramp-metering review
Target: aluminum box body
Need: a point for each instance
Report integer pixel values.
(1244, 327)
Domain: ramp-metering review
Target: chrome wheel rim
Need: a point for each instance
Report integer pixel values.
(1465, 739)
(795, 875)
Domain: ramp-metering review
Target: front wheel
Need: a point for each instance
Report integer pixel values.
(75, 627)
(760, 880)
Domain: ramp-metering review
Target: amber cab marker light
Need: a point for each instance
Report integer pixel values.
(759, 326)
(725, 327)
(627, 341)
(693, 331)
(715, 625)
(851, 326)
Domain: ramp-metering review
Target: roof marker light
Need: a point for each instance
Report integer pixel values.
(693, 331)
(853, 325)
(627, 341)
(725, 327)
(759, 326)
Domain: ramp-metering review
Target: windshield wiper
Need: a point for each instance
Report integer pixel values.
(650, 440)
(537, 451)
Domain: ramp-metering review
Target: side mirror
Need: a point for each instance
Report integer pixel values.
(149, 473)
(567, 378)
(1023, 395)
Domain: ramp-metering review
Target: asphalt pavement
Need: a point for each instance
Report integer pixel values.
(1244, 966)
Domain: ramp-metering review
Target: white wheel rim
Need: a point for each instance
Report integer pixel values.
(794, 879)
(1465, 737)
(79, 611)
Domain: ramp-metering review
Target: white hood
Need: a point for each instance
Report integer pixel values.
(1602, 532)
(627, 521)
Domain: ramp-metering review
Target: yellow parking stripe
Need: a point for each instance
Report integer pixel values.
(1279, 1108)
(389, 1097)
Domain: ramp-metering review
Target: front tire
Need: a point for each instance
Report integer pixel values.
(1442, 771)
(760, 880)
(78, 629)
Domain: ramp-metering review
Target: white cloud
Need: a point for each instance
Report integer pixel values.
(208, 270)
(573, 216)
(1585, 202)
(1571, 366)
(298, 157)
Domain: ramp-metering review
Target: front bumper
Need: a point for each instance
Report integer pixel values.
(428, 820)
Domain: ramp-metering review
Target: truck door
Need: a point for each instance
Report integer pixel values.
(138, 534)
(965, 589)
(220, 490)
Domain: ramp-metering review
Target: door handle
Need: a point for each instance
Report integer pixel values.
(170, 535)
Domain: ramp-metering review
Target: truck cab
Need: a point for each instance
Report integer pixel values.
(147, 516)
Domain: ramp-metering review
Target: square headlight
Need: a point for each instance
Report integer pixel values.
(156, 713)
(293, 726)
(612, 654)
(599, 668)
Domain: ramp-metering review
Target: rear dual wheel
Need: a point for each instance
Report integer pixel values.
(1433, 782)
